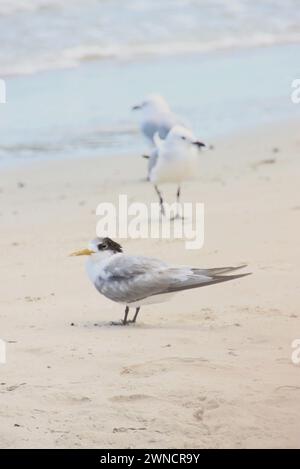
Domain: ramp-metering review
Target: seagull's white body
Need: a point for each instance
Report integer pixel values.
(175, 159)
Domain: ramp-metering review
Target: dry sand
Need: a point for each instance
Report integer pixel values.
(212, 368)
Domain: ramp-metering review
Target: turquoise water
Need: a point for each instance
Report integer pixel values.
(86, 110)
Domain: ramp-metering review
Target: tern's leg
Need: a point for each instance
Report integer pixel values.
(124, 321)
(125, 316)
(136, 314)
(161, 200)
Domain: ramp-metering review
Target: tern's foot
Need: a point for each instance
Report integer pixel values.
(119, 323)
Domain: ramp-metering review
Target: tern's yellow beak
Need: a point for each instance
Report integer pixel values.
(84, 252)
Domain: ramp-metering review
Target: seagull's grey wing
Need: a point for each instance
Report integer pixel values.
(169, 120)
(149, 129)
(161, 123)
(164, 129)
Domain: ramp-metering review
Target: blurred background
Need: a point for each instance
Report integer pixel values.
(74, 68)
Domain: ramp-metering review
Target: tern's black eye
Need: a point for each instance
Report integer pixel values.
(102, 246)
(183, 138)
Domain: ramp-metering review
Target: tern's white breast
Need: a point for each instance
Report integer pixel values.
(96, 266)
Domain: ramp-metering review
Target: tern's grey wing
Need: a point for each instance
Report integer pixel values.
(197, 281)
(218, 270)
(129, 279)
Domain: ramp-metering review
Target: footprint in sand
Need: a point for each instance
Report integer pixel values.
(130, 398)
(151, 368)
(66, 398)
(212, 404)
(199, 414)
(128, 429)
(206, 406)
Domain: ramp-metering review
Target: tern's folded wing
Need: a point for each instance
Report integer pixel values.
(129, 279)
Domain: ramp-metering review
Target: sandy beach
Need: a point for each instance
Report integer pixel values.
(212, 368)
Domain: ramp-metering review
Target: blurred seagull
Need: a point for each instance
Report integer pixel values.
(174, 160)
(135, 280)
(156, 117)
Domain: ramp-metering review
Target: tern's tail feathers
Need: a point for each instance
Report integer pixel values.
(218, 270)
(195, 282)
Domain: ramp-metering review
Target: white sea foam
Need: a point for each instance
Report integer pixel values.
(37, 35)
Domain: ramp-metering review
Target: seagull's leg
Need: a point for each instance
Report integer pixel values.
(136, 314)
(177, 202)
(178, 195)
(161, 200)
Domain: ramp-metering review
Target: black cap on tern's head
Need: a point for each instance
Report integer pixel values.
(98, 245)
(107, 244)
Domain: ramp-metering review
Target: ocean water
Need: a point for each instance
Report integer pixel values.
(74, 68)
(38, 35)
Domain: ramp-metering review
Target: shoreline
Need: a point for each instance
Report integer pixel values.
(86, 111)
(212, 144)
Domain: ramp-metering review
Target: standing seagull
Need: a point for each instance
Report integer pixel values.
(136, 280)
(174, 160)
(156, 117)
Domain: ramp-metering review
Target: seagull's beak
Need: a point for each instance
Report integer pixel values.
(199, 144)
(84, 252)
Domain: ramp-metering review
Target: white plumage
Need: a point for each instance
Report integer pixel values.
(156, 117)
(174, 160)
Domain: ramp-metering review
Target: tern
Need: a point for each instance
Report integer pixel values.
(134, 281)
